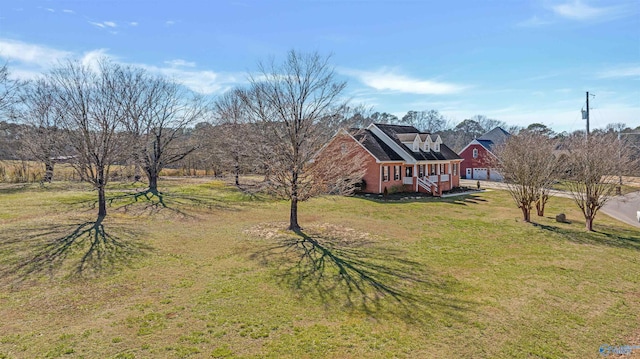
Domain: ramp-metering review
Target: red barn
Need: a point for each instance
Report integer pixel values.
(478, 156)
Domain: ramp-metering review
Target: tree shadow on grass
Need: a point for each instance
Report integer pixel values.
(358, 274)
(153, 202)
(606, 236)
(410, 197)
(464, 199)
(80, 250)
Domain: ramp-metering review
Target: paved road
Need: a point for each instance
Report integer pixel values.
(623, 208)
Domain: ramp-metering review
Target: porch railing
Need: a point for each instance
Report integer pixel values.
(422, 183)
(426, 183)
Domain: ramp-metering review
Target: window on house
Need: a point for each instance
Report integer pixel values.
(454, 168)
(437, 147)
(396, 173)
(421, 170)
(385, 173)
(433, 169)
(343, 148)
(408, 172)
(475, 153)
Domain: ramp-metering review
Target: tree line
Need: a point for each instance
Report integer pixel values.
(97, 116)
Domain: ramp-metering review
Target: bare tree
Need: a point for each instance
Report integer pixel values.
(158, 114)
(488, 124)
(233, 132)
(428, 121)
(593, 165)
(91, 120)
(529, 168)
(297, 107)
(41, 137)
(9, 92)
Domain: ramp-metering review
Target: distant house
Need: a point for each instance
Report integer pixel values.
(478, 156)
(401, 158)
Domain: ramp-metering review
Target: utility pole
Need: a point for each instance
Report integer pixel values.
(587, 114)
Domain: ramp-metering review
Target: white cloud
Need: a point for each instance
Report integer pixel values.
(98, 24)
(621, 71)
(50, 10)
(27, 61)
(579, 10)
(68, 11)
(133, 23)
(169, 22)
(201, 81)
(104, 24)
(180, 63)
(92, 58)
(34, 55)
(388, 80)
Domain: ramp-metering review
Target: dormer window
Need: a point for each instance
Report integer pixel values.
(436, 147)
(475, 153)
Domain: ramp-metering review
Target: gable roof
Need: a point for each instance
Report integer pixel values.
(396, 133)
(374, 145)
(497, 136)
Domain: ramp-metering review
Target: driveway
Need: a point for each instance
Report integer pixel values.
(623, 208)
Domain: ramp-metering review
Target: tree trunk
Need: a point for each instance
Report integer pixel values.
(152, 176)
(237, 174)
(153, 183)
(526, 214)
(48, 174)
(540, 207)
(589, 224)
(293, 218)
(102, 201)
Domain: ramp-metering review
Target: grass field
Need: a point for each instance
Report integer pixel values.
(206, 271)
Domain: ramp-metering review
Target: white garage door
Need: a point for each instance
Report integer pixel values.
(480, 173)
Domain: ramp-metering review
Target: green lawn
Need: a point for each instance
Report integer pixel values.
(206, 271)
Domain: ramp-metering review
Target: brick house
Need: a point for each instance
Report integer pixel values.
(478, 156)
(401, 158)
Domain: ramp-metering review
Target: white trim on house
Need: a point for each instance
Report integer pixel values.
(391, 143)
(474, 142)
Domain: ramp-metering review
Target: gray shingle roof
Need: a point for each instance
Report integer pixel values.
(495, 137)
(385, 153)
(373, 144)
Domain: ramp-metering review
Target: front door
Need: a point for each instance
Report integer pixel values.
(468, 176)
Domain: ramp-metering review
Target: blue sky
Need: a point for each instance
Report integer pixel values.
(516, 61)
